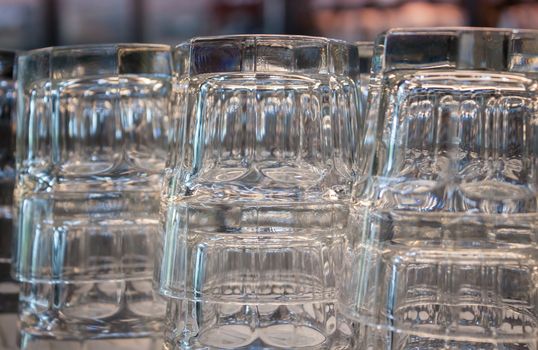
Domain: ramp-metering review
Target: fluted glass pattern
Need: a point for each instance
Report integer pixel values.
(444, 251)
(91, 147)
(256, 191)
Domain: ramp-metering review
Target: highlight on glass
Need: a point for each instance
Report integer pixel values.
(366, 51)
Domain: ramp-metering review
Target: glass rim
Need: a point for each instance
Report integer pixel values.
(93, 48)
(457, 48)
(250, 53)
(366, 48)
(239, 37)
(65, 62)
(456, 29)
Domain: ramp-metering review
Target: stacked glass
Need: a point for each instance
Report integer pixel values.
(92, 139)
(444, 255)
(256, 192)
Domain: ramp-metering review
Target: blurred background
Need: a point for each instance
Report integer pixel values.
(26, 24)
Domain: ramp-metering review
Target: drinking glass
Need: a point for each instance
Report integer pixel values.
(256, 192)
(91, 147)
(444, 252)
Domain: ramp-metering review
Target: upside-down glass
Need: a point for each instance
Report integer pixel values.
(91, 147)
(445, 256)
(256, 192)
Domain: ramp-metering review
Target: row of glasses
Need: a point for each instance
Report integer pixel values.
(265, 146)
(443, 252)
(262, 131)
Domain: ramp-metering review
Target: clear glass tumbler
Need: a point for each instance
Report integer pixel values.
(256, 192)
(92, 139)
(444, 255)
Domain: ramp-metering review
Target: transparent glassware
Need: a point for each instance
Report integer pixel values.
(29, 342)
(256, 192)
(444, 255)
(91, 149)
(366, 51)
(8, 287)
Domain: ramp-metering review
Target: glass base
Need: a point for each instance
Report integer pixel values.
(377, 338)
(99, 310)
(197, 325)
(29, 342)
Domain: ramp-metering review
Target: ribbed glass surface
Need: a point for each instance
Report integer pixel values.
(444, 254)
(91, 147)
